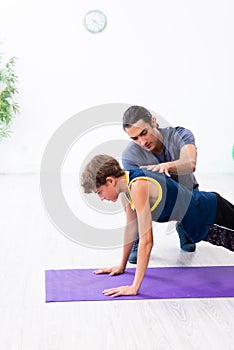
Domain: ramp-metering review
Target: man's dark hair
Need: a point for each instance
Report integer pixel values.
(135, 113)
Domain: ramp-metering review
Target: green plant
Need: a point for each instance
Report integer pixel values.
(8, 89)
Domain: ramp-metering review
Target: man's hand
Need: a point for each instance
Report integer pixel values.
(186, 164)
(116, 270)
(158, 168)
(118, 291)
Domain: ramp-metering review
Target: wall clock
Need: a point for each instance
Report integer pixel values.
(95, 21)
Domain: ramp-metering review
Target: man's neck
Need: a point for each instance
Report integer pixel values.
(159, 148)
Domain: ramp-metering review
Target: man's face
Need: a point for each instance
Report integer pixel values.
(145, 135)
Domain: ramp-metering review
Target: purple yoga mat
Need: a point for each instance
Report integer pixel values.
(158, 283)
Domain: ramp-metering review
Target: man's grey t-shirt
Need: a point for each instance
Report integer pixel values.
(174, 139)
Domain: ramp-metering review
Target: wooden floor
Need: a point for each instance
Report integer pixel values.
(30, 244)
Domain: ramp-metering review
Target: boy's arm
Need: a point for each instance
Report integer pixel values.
(130, 233)
(140, 198)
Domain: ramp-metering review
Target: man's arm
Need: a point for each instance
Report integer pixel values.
(129, 158)
(186, 163)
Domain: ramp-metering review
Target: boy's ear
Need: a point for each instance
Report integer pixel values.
(110, 180)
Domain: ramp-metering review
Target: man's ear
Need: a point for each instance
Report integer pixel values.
(110, 180)
(154, 122)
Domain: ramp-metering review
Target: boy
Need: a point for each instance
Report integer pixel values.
(149, 196)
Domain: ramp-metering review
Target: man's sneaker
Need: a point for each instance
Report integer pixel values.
(133, 255)
(185, 242)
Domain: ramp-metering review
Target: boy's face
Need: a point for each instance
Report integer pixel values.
(107, 192)
(144, 134)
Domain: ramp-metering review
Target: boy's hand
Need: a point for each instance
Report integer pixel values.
(116, 270)
(118, 291)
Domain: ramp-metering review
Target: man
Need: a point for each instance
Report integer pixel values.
(164, 150)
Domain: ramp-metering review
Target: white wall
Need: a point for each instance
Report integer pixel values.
(173, 57)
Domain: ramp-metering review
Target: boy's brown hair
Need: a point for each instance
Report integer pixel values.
(97, 170)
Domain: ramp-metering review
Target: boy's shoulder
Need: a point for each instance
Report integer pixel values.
(135, 173)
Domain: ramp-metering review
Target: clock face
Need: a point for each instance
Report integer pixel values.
(95, 21)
